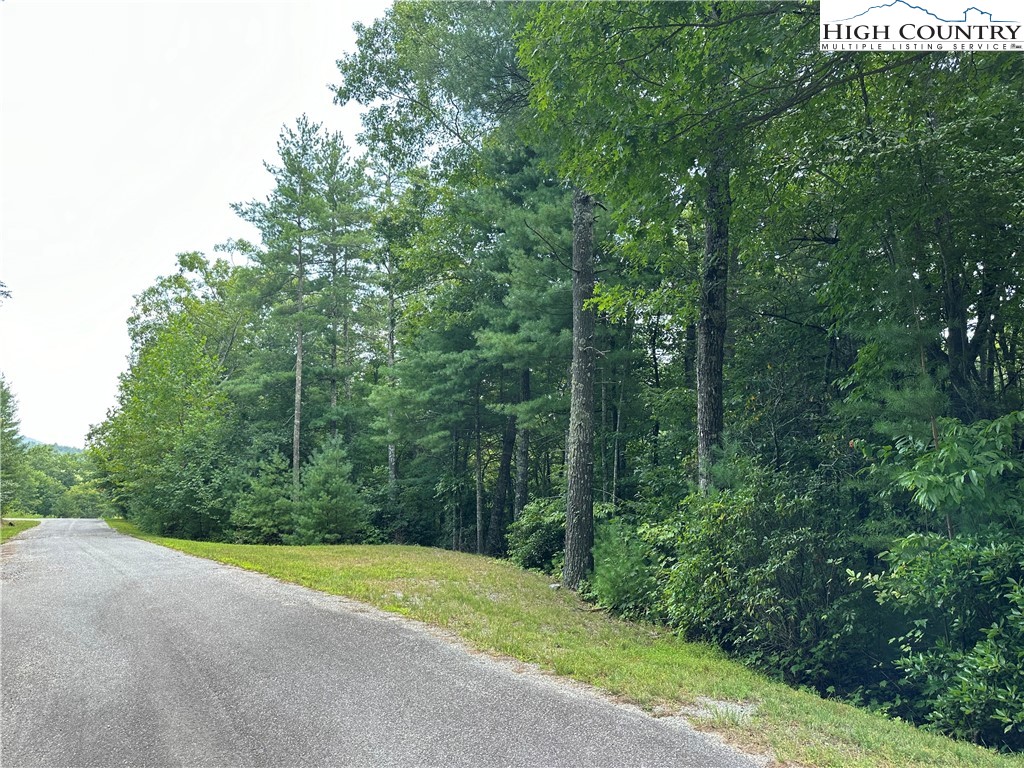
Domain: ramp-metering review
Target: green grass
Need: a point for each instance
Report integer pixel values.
(499, 609)
(11, 528)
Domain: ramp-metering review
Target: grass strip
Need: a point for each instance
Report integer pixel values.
(498, 608)
(9, 528)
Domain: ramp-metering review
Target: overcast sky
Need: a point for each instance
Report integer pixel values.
(126, 130)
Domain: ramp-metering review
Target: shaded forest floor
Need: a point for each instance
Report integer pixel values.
(497, 608)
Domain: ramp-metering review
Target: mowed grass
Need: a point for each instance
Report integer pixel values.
(499, 609)
(10, 528)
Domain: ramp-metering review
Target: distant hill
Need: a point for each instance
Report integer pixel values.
(29, 442)
(898, 10)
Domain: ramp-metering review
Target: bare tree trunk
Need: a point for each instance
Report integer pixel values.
(617, 442)
(392, 449)
(579, 513)
(462, 471)
(522, 453)
(346, 356)
(605, 474)
(334, 346)
(711, 321)
(655, 336)
(479, 481)
(617, 454)
(297, 421)
(496, 529)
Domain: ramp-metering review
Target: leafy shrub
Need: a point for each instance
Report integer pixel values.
(83, 500)
(962, 655)
(537, 539)
(184, 494)
(625, 578)
(761, 569)
(963, 658)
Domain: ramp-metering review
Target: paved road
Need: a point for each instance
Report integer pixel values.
(116, 652)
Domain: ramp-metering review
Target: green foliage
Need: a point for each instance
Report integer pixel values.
(161, 454)
(962, 656)
(83, 500)
(12, 451)
(44, 480)
(264, 510)
(61, 483)
(761, 568)
(536, 540)
(975, 476)
(329, 509)
(625, 578)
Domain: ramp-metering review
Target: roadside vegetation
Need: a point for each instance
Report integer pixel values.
(497, 608)
(11, 528)
(39, 480)
(721, 330)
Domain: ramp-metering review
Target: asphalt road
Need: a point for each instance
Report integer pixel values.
(116, 652)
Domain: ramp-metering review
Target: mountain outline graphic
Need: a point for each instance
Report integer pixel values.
(905, 4)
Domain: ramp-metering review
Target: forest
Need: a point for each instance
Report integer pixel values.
(43, 480)
(724, 330)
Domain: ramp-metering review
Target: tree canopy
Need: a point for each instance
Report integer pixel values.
(661, 277)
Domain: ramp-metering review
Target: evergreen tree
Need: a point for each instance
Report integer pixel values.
(12, 451)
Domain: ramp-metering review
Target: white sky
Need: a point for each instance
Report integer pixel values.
(126, 130)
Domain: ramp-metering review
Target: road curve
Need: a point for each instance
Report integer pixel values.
(117, 652)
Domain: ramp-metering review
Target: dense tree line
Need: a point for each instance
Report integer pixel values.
(38, 479)
(753, 307)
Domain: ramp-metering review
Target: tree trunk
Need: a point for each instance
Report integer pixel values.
(333, 426)
(496, 529)
(711, 319)
(579, 513)
(655, 334)
(605, 468)
(522, 489)
(618, 454)
(479, 481)
(346, 348)
(297, 421)
(333, 383)
(392, 449)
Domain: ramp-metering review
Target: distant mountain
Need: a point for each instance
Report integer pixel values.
(880, 11)
(29, 442)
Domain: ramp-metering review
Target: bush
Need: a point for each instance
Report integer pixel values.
(537, 539)
(963, 656)
(761, 570)
(83, 500)
(625, 578)
(962, 651)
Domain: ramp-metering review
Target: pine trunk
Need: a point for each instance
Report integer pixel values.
(392, 449)
(479, 482)
(522, 453)
(496, 529)
(579, 517)
(297, 421)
